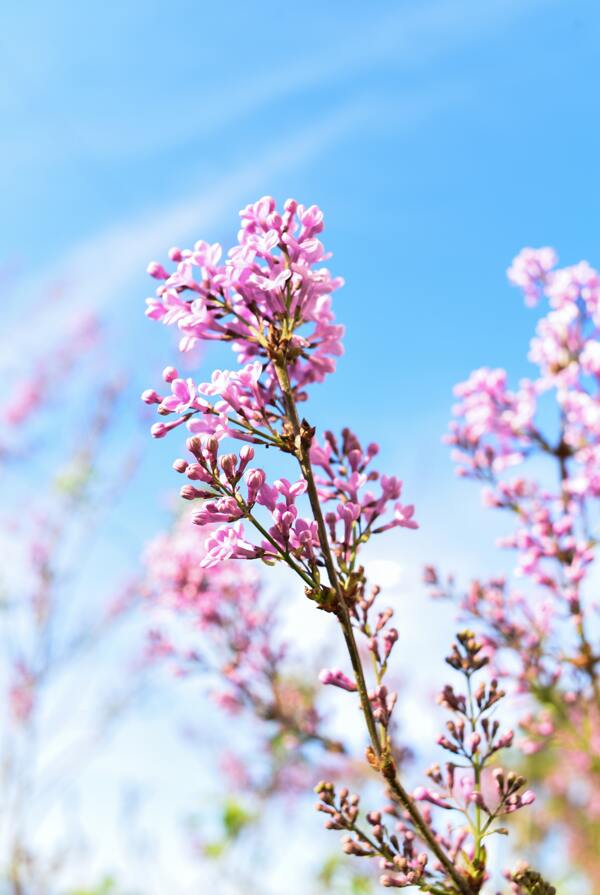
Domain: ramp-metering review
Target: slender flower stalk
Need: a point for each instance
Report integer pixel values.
(381, 757)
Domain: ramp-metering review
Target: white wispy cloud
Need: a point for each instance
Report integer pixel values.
(98, 269)
(409, 36)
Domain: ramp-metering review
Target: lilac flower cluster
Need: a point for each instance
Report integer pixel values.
(274, 305)
(269, 277)
(536, 449)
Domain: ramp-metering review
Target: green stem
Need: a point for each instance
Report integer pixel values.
(477, 777)
(343, 613)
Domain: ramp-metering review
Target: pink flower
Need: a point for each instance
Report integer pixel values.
(270, 270)
(21, 693)
(529, 271)
(337, 678)
(228, 542)
(422, 794)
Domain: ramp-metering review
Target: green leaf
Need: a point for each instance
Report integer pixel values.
(329, 869)
(361, 885)
(106, 887)
(235, 818)
(214, 850)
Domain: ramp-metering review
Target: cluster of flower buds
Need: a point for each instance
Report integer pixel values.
(380, 639)
(469, 786)
(525, 881)
(466, 654)
(508, 786)
(383, 702)
(343, 476)
(231, 491)
(396, 854)
(475, 738)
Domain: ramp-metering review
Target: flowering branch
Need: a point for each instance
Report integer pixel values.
(536, 449)
(274, 306)
(480, 796)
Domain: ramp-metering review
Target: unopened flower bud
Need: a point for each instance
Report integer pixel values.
(476, 798)
(188, 492)
(389, 640)
(194, 446)
(229, 465)
(246, 455)
(505, 740)
(211, 446)
(390, 882)
(150, 397)
(170, 374)
(159, 430)
(337, 678)
(157, 271)
(255, 479)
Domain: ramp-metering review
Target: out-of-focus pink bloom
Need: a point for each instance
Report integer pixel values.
(337, 678)
(529, 271)
(21, 693)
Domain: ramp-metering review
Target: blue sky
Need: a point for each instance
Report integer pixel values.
(438, 137)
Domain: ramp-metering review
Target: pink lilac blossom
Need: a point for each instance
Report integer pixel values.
(33, 387)
(337, 678)
(496, 431)
(219, 622)
(270, 301)
(536, 450)
(227, 598)
(232, 489)
(21, 694)
(270, 273)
